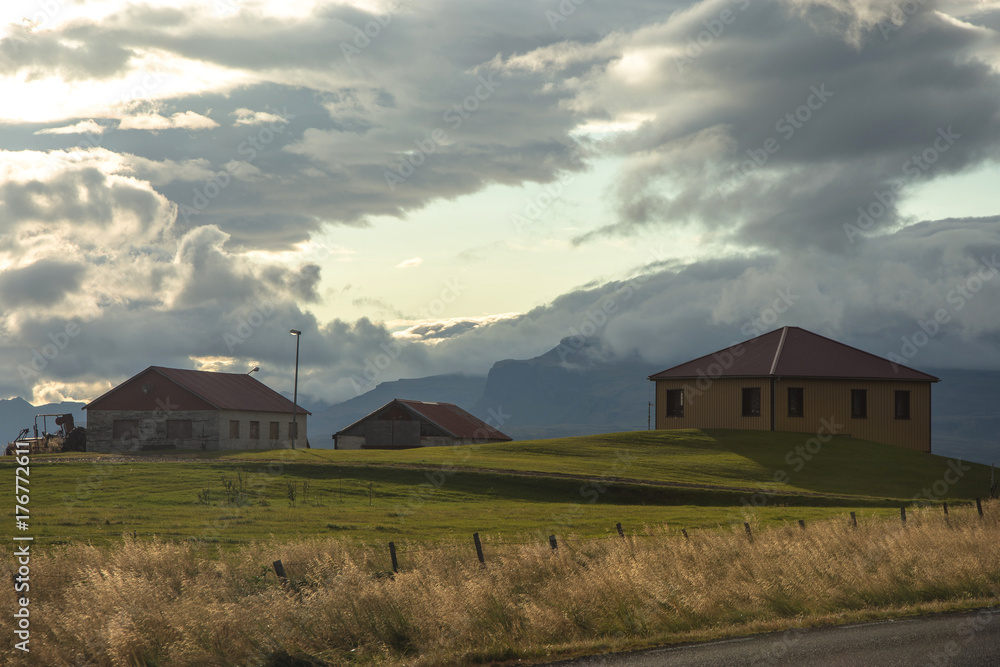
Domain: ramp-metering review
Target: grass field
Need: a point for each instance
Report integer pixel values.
(163, 603)
(579, 487)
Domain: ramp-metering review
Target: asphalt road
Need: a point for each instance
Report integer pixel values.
(955, 640)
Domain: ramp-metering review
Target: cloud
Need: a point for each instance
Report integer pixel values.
(44, 283)
(83, 127)
(246, 116)
(410, 263)
(188, 120)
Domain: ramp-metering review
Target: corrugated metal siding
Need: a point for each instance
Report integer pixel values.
(826, 403)
(718, 404)
(831, 400)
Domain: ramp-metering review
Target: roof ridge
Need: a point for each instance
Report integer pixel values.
(777, 352)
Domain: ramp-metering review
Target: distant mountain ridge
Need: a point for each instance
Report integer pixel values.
(579, 388)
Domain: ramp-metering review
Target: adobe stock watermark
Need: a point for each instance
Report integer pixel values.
(714, 28)
(378, 363)
(250, 148)
(939, 489)
(454, 116)
(956, 298)
(898, 17)
(42, 357)
(437, 479)
(41, 15)
(566, 8)
(913, 168)
(724, 360)
(372, 30)
(592, 489)
(248, 324)
(787, 125)
(796, 459)
(538, 204)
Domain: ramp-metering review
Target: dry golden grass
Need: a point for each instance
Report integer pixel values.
(157, 603)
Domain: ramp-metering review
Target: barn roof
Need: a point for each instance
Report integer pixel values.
(223, 391)
(793, 352)
(450, 418)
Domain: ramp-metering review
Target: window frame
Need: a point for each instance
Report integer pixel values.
(906, 404)
(254, 430)
(801, 412)
(863, 412)
(185, 426)
(274, 431)
(234, 429)
(754, 396)
(675, 408)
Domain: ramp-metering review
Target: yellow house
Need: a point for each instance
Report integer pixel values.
(794, 380)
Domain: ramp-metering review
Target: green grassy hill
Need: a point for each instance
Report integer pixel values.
(570, 487)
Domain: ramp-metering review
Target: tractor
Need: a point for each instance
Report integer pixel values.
(69, 437)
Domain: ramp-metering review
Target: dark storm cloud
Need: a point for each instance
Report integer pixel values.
(792, 124)
(43, 283)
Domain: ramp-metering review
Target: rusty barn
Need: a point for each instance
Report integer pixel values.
(171, 408)
(404, 424)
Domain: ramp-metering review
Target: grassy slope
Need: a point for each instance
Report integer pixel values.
(448, 498)
(843, 466)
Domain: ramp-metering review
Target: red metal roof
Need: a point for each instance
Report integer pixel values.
(793, 352)
(450, 418)
(223, 391)
(455, 420)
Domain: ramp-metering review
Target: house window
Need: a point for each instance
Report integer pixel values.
(273, 433)
(125, 428)
(234, 429)
(751, 402)
(675, 402)
(179, 429)
(795, 408)
(293, 429)
(902, 405)
(255, 430)
(859, 404)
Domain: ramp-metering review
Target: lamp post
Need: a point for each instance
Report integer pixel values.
(295, 391)
(253, 370)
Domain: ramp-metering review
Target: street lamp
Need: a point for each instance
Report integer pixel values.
(253, 370)
(295, 391)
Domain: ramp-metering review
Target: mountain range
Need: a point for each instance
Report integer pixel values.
(579, 388)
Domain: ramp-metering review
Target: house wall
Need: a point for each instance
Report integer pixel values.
(209, 430)
(152, 431)
(244, 441)
(718, 405)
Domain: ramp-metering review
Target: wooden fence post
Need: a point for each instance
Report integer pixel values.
(279, 570)
(621, 532)
(902, 515)
(749, 532)
(392, 555)
(945, 506)
(479, 549)
(552, 542)
(854, 520)
(979, 507)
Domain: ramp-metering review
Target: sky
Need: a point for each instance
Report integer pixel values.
(427, 187)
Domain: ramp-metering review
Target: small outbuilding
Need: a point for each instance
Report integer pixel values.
(405, 424)
(172, 408)
(794, 380)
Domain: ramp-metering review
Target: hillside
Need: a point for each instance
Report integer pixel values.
(714, 458)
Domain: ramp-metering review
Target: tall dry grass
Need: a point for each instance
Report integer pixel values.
(157, 603)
